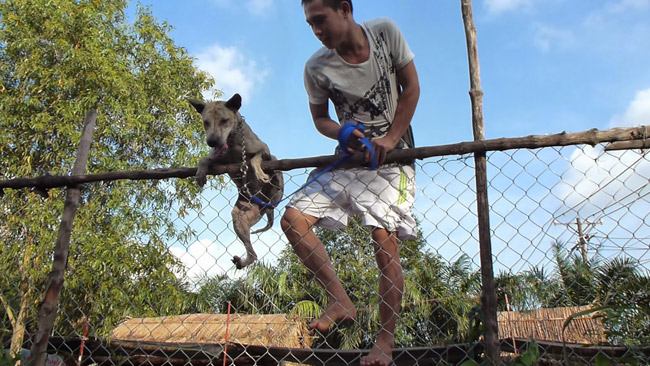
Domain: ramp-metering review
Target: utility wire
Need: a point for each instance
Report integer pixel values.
(612, 180)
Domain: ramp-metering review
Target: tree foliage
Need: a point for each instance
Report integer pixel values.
(59, 59)
(433, 307)
(618, 286)
(441, 298)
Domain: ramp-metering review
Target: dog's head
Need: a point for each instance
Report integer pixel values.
(219, 120)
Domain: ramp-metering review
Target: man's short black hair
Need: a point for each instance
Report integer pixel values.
(334, 4)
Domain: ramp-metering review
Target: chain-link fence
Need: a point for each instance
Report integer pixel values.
(570, 236)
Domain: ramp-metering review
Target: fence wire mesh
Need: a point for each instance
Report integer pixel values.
(570, 236)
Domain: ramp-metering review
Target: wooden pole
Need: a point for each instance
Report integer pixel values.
(488, 293)
(582, 243)
(514, 342)
(225, 343)
(48, 309)
(591, 137)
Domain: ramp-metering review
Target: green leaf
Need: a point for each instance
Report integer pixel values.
(602, 360)
(470, 363)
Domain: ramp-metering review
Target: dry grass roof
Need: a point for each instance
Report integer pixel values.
(263, 330)
(547, 324)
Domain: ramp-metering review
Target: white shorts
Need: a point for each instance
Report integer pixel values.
(383, 198)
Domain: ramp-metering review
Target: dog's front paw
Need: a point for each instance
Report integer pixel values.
(264, 178)
(201, 175)
(256, 163)
(201, 179)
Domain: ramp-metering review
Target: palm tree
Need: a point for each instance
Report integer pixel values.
(577, 276)
(462, 294)
(513, 291)
(545, 289)
(624, 293)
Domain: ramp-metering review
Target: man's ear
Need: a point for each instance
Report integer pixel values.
(234, 103)
(198, 105)
(346, 7)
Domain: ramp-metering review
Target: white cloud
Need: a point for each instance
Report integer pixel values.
(204, 258)
(637, 113)
(207, 258)
(259, 7)
(231, 70)
(598, 179)
(547, 37)
(255, 7)
(502, 6)
(614, 8)
(621, 6)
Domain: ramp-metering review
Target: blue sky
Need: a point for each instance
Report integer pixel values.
(547, 66)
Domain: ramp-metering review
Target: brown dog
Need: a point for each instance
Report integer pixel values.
(232, 140)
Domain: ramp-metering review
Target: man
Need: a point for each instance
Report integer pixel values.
(367, 71)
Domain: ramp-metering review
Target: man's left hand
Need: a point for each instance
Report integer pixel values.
(382, 147)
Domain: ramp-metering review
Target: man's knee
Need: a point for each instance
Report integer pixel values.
(286, 223)
(386, 246)
(385, 239)
(294, 224)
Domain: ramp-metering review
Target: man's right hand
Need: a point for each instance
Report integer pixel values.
(354, 143)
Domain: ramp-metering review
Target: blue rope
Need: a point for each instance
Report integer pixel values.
(343, 137)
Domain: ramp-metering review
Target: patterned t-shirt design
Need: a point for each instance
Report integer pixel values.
(375, 101)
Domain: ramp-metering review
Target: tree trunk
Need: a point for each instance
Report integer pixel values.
(18, 335)
(48, 310)
(18, 322)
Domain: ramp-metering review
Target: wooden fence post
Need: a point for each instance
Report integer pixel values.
(488, 293)
(48, 309)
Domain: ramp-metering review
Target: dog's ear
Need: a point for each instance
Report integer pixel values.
(234, 103)
(198, 105)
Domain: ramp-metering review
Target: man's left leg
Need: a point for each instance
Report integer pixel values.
(391, 289)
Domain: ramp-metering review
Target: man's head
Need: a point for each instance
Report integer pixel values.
(334, 4)
(330, 20)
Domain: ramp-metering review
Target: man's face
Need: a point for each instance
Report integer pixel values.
(326, 23)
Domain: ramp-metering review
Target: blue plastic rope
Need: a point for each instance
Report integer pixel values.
(343, 137)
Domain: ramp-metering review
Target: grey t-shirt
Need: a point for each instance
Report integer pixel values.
(363, 93)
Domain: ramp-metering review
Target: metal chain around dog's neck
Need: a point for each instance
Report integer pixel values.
(244, 164)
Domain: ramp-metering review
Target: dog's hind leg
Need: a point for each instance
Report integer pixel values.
(269, 221)
(244, 216)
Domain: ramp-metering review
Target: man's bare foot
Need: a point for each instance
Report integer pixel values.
(335, 313)
(380, 355)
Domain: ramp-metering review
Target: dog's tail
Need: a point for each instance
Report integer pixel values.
(269, 222)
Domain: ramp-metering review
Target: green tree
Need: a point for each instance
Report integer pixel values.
(617, 287)
(212, 295)
(527, 290)
(436, 304)
(462, 295)
(59, 59)
(544, 288)
(577, 275)
(625, 291)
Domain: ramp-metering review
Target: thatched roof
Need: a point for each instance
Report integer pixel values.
(547, 324)
(263, 330)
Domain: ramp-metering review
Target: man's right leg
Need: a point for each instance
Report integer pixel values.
(311, 251)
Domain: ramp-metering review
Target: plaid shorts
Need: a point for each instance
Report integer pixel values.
(383, 198)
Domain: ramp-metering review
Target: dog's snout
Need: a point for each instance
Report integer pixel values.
(212, 142)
